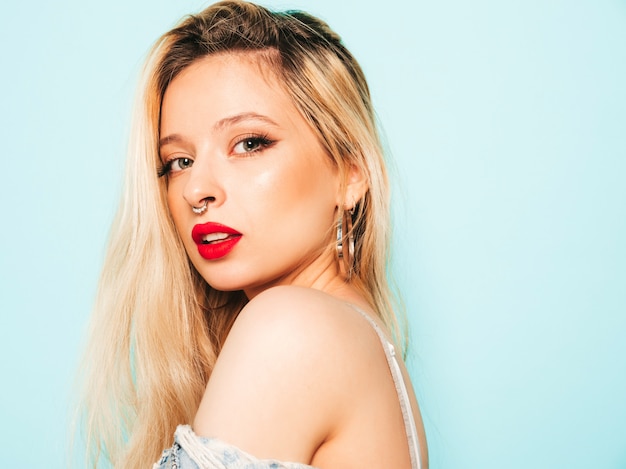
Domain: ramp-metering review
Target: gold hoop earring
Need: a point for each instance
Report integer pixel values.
(345, 242)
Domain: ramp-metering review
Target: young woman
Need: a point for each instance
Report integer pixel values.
(244, 313)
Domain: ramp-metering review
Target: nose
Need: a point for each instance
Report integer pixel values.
(202, 187)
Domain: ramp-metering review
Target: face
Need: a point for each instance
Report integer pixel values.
(232, 139)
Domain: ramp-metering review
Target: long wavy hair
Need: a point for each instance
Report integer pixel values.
(157, 326)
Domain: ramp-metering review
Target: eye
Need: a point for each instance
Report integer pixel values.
(175, 165)
(180, 163)
(252, 144)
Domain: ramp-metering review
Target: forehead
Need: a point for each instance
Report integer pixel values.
(227, 83)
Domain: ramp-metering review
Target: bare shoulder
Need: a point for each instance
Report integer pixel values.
(319, 327)
(306, 313)
(288, 374)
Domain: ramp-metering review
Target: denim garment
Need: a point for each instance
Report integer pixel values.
(193, 452)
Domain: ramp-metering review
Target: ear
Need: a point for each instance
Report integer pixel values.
(356, 187)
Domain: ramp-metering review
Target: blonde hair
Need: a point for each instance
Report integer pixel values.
(157, 327)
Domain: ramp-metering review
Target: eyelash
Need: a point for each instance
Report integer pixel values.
(166, 168)
(262, 142)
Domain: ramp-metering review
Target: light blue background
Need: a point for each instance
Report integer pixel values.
(507, 120)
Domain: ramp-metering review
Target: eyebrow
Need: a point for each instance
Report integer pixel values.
(174, 138)
(221, 124)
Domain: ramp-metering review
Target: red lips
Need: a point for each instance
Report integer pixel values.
(214, 240)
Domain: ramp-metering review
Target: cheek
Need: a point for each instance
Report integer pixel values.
(284, 185)
(176, 208)
(304, 192)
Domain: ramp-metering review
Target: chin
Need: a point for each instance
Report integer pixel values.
(221, 280)
(220, 286)
(222, 283)
(234, 276)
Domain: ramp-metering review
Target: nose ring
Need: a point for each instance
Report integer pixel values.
(201, 209)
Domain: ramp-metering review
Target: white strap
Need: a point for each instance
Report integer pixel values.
(403, 395)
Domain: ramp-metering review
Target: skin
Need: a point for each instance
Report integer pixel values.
(282, 197)
(301, 377)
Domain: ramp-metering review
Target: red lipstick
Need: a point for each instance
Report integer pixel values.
(214, 240)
